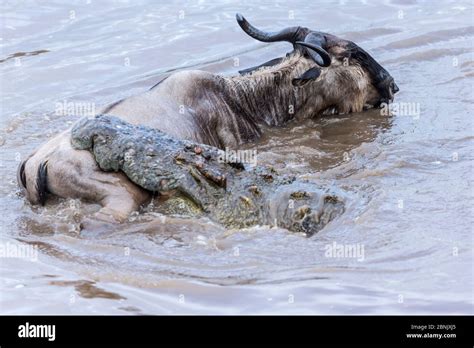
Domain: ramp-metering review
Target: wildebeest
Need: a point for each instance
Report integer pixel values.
(322, 73)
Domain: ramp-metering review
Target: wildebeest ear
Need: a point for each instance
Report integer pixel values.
(308, 75)
(269, 63)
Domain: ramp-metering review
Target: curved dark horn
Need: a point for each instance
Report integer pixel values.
(322, 58)
(294, 35)
(287, 34)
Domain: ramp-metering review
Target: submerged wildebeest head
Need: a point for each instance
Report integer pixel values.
(363, 82)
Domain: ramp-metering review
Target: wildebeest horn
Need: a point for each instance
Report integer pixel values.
(295, 35)
(322, 58)
(287, 34)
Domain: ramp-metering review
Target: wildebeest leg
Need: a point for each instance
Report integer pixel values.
(117, 206)
(120, 198)
(101, 221)
(115, 193)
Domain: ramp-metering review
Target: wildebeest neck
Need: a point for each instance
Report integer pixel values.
(268, 96)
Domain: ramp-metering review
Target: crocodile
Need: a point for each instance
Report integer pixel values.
(199, 180)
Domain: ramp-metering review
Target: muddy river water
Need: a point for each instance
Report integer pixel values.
(408, 224)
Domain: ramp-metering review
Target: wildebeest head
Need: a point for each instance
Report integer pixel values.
(328, 51)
